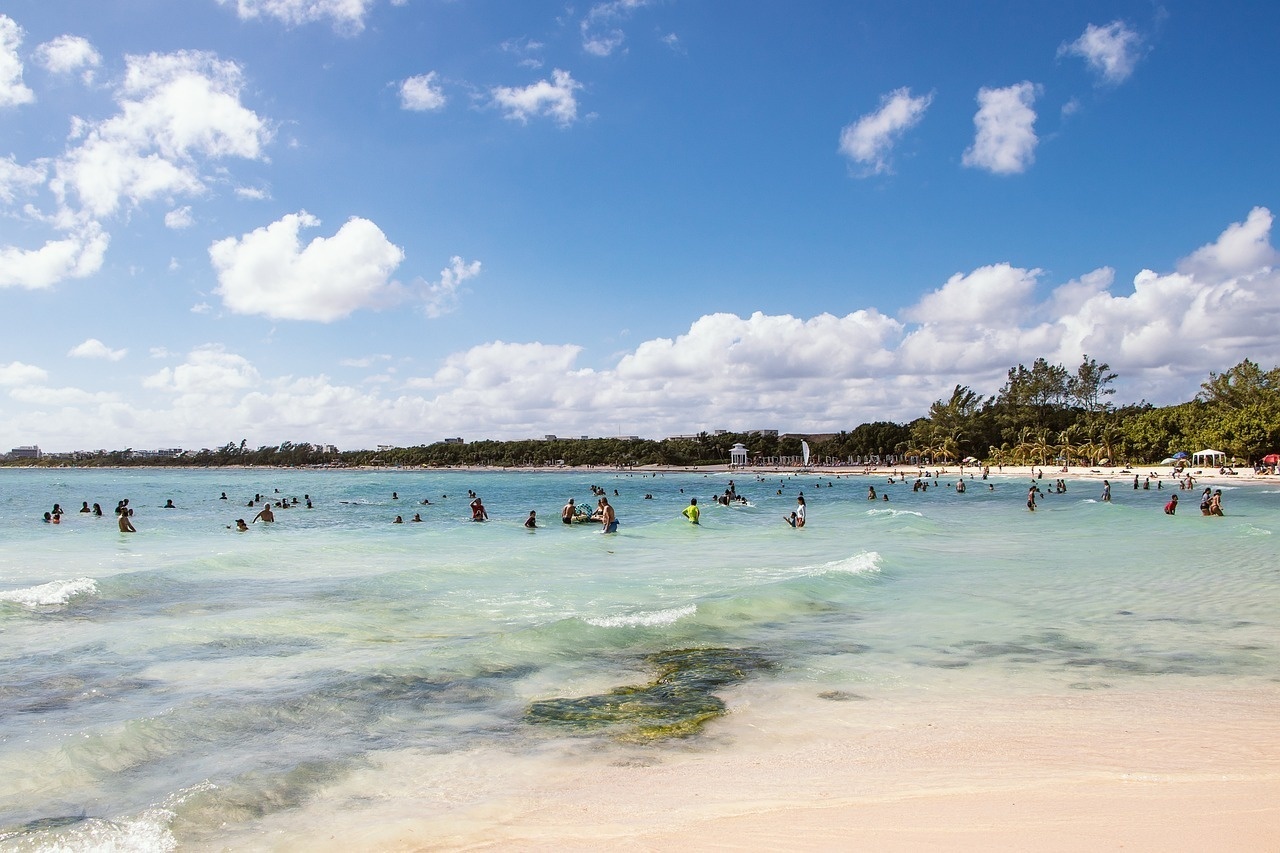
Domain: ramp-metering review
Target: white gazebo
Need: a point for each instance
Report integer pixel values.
(1209, 458)
(738, 455)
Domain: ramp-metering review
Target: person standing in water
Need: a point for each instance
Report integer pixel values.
(800, 511)
(532, 521)
(608, 518)
(692, 512)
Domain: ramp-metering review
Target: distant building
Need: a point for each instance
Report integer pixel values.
(25, 452)
(454, 441)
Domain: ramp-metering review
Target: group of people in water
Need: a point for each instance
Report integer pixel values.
(606, 516)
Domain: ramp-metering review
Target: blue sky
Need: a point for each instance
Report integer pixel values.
(362, 222)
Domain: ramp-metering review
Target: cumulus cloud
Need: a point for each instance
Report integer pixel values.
(1111, 51)
(422, 93)
(13, 92)
(1241, 249)
(554, 99)
(94, 348)
(17, 373)
(346, 16)
(1005, 141)
(66, 54)
(870, 140)
(441, 297)
(269, 272)
(78, 255)
(179, 218)
(1162, 334)
(176, 110)
(990, 295)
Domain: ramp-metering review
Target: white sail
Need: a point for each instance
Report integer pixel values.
(804, 447)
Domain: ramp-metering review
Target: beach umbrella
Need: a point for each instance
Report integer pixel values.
(1271, 459)
(1181, 454)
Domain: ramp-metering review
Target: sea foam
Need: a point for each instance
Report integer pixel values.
(644, 619)
(862, 563)
(51, 594)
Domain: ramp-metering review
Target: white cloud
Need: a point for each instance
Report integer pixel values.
(554, 99)
(1110, 51)
(17, 373)
(18, 180)
(13, 92)
(94, 348)
(62, 397)
(209, 375)
(422, 93)
(1241, 249)
(601, 28)
(526, 49)
(78, 255)
(201, 308)
(347, 16)
(1005, 142)
(1163, 335)
(252, 193)
(991, 295)
(66, 54)
(269, 272)
(179, 218)
(870, 139)
(442, 296)
(175, 111)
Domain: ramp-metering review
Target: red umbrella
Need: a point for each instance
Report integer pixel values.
(1271, 459)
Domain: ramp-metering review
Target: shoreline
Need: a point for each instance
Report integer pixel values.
(1118, 476)
(1166, 769)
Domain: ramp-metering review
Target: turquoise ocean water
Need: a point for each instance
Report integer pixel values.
(183, 685)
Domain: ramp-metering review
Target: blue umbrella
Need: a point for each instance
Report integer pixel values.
(1181, 454)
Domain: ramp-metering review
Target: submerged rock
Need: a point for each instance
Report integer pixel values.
(677, 703)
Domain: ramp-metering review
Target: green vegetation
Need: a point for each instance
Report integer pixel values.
(677, 703)
(1041, 414)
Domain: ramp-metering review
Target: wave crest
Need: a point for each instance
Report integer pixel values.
(51, 594)
(644, 619)
(866, 562)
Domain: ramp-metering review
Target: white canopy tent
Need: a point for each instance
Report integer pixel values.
(738, 455)
(1209, 458)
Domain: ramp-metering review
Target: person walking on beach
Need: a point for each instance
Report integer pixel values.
(608, 518)
(692, 512)
(566, 514)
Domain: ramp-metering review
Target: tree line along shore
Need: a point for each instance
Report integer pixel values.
(1043, 414)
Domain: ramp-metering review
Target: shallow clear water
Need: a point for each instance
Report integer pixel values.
(187, 682)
